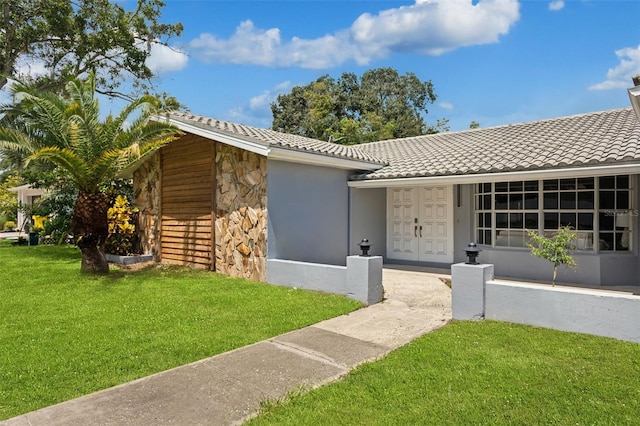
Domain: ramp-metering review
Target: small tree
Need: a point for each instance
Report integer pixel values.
(68, 131)
(554, 249)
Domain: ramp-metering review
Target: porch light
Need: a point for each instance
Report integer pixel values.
(634, 95)
(472, 251)
(364, 246)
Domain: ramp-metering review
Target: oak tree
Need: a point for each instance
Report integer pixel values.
(69, 38)
(381, 104)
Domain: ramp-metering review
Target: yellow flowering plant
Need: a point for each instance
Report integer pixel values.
(122, 230)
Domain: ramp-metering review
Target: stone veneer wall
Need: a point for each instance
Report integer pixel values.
(241, 213)
(146, 195)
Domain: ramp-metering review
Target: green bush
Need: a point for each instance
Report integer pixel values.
(9, 225)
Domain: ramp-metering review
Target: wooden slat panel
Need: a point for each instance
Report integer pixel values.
(187, 148)
(180, 238)
(193, 246)
(196, 190)
(192, 157)
(178, 173)
(188, 206)
(187, 217)
(182, 262)
(197, 163)
(185, 198)
(187, 193)
(186, 255)
(189, 179)
(177, 225)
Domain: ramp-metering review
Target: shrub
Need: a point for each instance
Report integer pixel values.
(9, 225)
(122, 230)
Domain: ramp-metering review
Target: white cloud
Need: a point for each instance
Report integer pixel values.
(445, 105)
(28, 66)
(263, 100)
(258, 111)
(165, 59)
(619, 77)
(556, 5)
(428, 27)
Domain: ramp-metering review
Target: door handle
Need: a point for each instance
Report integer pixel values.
(415, 231)
(420, 231)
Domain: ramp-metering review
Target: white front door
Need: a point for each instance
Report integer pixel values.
(420, 224)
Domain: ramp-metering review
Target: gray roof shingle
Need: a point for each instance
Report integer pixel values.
(268, 137)
(574, 141)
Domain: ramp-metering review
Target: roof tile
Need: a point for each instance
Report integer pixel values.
(586, 139)
(270, 138)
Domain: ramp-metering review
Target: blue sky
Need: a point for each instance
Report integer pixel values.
(491, 61)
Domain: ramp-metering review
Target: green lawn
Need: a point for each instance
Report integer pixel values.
(63, 334)
(471, 373)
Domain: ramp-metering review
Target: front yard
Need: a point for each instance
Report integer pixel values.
(474, 373)
(63, 334)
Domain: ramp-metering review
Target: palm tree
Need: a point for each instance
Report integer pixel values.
(66, 130)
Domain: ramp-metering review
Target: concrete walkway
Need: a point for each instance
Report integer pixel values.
(228, 388)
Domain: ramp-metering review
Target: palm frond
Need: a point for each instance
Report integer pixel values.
(15, 140)
(69, 161)
(67, 131)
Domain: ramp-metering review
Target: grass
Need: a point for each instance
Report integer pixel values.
(480, 373)
(64, 334)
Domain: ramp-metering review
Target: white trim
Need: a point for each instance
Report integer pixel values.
(634, 97)
(318, 159)
(605, 170)
(274, 152)
(256, 148)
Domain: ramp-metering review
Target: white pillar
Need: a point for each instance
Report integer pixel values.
(364, 278)
(468, 290)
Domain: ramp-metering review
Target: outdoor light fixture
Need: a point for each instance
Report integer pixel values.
(472, 251)
(634, 95)
(364, 246)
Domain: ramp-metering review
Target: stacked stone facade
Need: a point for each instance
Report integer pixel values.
(146, 195)
(241, 213)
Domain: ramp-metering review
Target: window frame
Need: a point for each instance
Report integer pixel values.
(617, 236)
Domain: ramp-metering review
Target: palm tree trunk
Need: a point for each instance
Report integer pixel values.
(90, 228)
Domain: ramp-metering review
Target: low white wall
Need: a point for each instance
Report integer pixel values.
(598, 312)
(361, 279)
(475, 295)
(309, 276)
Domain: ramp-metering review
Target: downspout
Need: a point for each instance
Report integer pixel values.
(214, 205)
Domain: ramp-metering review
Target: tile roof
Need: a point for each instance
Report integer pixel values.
(574, 141)
(272, 138)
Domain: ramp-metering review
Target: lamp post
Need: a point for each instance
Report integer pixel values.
(364, 246)
(634, 95)
(472, 252)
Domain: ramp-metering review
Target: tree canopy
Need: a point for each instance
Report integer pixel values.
(69, 38)
(381, 104)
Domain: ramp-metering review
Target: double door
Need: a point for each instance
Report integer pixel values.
(420, 223)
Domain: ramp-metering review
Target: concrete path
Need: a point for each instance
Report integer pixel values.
(228, 388)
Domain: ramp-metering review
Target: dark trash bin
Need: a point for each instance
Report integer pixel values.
(33, 238)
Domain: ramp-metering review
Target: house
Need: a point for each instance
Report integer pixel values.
(27, 196)
(233, 198)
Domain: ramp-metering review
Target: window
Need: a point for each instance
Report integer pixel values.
(570, 202)
(516, 207)
(614, 216)
(598, 209)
